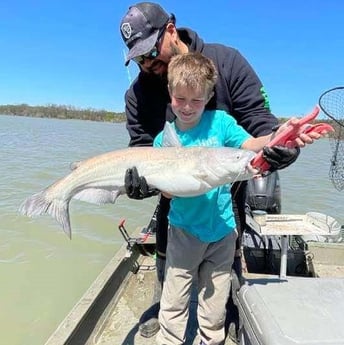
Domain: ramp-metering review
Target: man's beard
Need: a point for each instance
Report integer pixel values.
(159, 63)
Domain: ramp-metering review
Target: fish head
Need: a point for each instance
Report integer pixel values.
(234, 164)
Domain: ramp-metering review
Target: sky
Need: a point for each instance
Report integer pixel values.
(70, 52)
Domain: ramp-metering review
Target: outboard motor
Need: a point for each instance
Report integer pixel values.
(264, 193)
(262, 252)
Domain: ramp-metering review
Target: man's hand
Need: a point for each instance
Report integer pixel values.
(286, 140)
(136, 186)
(306, 132)
(280, 157)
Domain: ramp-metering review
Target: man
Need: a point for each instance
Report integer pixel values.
(152, 38)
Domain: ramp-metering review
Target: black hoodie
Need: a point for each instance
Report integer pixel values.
(238, 91)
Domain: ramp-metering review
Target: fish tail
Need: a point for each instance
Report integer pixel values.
(39, 204)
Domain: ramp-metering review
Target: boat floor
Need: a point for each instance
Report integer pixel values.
(110, 311)
(121, 326)
(135, 299)
(326, 259)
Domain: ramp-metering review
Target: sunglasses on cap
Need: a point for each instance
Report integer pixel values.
(153, 53)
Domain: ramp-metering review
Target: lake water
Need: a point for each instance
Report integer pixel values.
(43, 273)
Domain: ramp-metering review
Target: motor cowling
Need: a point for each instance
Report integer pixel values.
(264, 193)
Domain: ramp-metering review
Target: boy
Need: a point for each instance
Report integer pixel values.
(202, 231)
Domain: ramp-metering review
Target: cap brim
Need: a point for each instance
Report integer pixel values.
(142, 47)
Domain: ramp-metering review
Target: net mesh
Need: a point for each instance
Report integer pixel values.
(331, 103)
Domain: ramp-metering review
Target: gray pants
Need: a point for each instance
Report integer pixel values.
(187, 260)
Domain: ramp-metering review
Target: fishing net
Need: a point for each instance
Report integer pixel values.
(331, 103)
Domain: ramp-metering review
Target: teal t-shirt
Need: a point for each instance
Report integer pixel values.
(210, 216)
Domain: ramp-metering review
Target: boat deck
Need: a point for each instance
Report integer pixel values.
(137, 295)
(326, 259)
(109, 313)
(125, 315)
(134, 301)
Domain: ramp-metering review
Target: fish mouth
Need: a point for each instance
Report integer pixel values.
(249, 169)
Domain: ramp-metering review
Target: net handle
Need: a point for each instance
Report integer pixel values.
(323, 106)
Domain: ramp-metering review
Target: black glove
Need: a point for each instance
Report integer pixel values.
(280, 157)
(136, 186)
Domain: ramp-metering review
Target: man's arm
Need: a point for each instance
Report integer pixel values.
(146, 109)
(251, 108)
(240, 92)
(250, 103)
(136, 125)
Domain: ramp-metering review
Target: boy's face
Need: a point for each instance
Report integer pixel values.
(188, 105)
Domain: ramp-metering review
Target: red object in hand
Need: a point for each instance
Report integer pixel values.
(288, 136)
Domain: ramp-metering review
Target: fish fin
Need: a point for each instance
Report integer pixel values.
(170, 137)
(75, 165)
(98, 195)
(39, 204)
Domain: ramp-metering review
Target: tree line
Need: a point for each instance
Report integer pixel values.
(71, 112)
(61, 112)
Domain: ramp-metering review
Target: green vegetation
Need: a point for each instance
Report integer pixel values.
(61, 112)
(70, 112)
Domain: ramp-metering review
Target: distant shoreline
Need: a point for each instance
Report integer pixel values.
(62, 112)
(70, 112)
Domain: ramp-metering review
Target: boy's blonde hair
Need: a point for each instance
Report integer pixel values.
(192, 70)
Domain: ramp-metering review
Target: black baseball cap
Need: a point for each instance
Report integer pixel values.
(140, 28)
